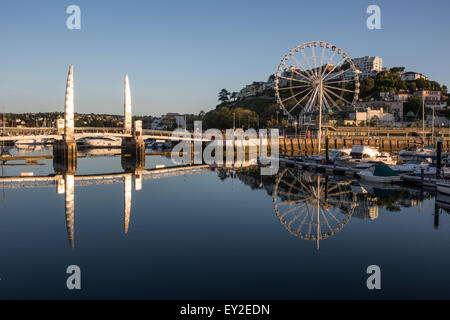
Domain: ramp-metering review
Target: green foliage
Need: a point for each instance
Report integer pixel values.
(390, 81)
(222, 118)
(414, 104)
(224, 95)
(397, 69)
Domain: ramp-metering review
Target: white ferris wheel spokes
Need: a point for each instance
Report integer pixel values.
(310, 207)
(314, 77)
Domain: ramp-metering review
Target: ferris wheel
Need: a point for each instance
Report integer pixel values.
(311, 207)
(316, 77)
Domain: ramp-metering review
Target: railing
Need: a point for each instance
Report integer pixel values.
(13, 132)
(337, 131)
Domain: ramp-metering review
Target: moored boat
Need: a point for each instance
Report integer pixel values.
(443, 186)
(409, 166)
(364, 156)
(99, 142)
(380, 173)
(415, 152)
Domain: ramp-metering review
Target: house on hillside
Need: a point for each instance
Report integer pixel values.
(411, 76)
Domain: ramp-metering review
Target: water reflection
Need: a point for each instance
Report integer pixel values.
(316, 207)
(308, 205)
(65, 179)
(312, 207)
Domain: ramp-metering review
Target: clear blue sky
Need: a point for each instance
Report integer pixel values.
(179, 54)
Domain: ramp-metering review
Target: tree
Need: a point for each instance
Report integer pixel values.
(397, 69)
(412, 86)
(414, 104)
(234, 96)
(367, 86)
(224, 96)
(421, 84)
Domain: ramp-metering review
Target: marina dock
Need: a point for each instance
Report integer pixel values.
(352, 172)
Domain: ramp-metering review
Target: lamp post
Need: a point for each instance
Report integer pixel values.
(234, 120)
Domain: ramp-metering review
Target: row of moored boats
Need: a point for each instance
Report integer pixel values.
(372, 165)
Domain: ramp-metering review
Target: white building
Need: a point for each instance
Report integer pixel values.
(368, 115)
(369, 66)
(254, 89)
(167, 121)
(156, 124)
(401, 95)
(349, 74)
(432, 99)
(411, 76)
(179, 119)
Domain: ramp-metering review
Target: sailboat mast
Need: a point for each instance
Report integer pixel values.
(423, 120)
(432, 128)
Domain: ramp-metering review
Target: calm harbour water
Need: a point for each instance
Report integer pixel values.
(220, 234)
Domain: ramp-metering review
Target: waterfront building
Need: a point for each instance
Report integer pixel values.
(432, 99)
(393, 107)
(370, 114)
(430, 94)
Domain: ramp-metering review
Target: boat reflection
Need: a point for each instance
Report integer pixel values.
(309, 206)
(316, 207)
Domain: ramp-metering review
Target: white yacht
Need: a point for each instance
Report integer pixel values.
(98, 152)
(443, 186)
(335, 154)
(99, 142)
(29, 142)
(359, 153)
(417, 152)
(429, 170)
(364, 156)
(410, 166)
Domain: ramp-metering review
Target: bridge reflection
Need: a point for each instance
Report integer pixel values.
(65, 180)
(309, 206)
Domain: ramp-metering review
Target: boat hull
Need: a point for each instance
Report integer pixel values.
(99, 143)
(443, 186)
(379, 179)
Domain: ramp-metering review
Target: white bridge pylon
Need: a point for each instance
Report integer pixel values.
(69, 108)
(67, 131)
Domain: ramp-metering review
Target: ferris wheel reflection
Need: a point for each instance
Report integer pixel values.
(310, 206)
